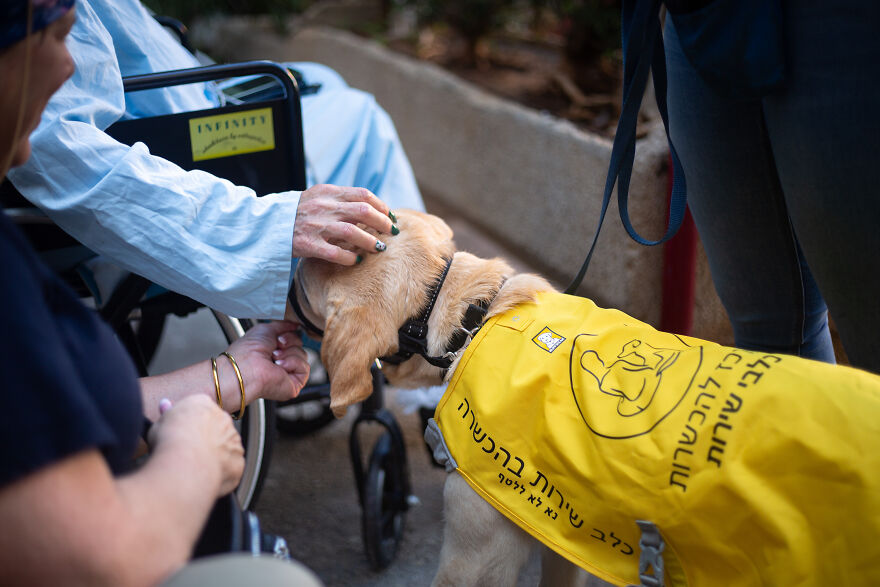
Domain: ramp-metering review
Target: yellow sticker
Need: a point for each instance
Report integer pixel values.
(246, 131)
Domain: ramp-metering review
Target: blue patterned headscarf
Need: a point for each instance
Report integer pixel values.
(14, 15)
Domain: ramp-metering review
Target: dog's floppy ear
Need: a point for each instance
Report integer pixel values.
(348, 365)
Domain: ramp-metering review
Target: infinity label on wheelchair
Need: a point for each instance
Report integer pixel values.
(237, 133)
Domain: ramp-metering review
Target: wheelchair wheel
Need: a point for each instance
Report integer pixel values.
(257, 427)
(383, 517)
(300, 419)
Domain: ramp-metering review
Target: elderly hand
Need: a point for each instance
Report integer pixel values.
(272, 361)
(327, 221)
(196, 425)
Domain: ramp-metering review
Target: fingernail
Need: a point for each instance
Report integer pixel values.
(392, 216)
(358, 260)
(276, 353)
(278, 363)
(164, 405)
(282, 339)
(394, 230)
(380, 246)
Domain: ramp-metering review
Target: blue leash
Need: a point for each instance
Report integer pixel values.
(642, 52)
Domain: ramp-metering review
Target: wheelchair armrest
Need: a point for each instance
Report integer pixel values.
(207, 73)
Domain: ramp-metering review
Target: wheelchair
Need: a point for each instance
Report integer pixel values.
(137, 309)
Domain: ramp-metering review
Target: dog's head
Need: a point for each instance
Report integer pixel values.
(362, 307)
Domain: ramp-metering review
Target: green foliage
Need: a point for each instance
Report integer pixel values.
(187, 10)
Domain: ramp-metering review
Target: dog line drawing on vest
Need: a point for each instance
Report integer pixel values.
(634, 398)
(638, 456)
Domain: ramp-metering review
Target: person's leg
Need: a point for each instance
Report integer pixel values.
(737, 204)
(825, 135)
(235, 570)
(350, 140)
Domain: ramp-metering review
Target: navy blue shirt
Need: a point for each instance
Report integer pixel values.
(66, 384)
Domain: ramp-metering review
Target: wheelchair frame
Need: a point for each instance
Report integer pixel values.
(250, 169)
(129, 302)
(382, 478)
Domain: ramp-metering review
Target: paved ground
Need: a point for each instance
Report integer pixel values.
(310, 496)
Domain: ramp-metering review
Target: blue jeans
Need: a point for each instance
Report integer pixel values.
(785, 190)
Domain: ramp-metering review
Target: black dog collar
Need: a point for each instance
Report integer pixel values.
(294, 302)
(413, 335)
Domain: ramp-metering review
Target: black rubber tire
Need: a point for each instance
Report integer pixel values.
(382, 520)
(256, 430)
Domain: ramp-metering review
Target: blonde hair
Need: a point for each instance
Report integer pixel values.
(22, 101)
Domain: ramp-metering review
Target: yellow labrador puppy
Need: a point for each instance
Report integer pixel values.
(640, 456)
(360, 310)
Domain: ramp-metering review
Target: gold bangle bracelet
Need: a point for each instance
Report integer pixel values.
(240, 384)
(216, 382)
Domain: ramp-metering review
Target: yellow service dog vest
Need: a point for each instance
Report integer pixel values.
(758, 469)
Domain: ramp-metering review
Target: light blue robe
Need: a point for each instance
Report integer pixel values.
(190, 232)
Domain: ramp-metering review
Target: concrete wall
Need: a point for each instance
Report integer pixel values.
(531, 181)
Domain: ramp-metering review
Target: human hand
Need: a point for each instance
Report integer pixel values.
(197, 424)
(272, 361)
(327, 221)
